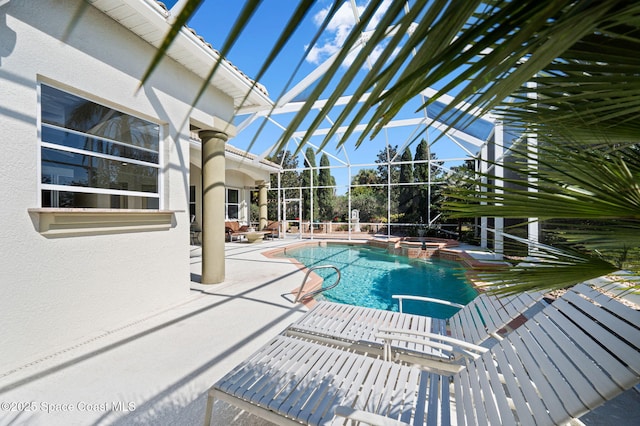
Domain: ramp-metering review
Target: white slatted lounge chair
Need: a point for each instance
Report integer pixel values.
(574, 355)
(355, 327)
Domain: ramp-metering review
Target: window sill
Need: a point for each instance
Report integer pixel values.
(64, 222)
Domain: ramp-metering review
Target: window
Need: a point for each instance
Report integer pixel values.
(93, 156)
(232, 205)
(192, 201)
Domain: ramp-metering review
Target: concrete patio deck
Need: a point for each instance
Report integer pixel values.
(157, 370)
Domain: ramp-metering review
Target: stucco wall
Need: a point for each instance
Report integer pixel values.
(60, 291)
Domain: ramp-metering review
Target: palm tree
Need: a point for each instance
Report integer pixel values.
(582, 104)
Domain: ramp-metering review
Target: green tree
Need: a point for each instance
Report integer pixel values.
(388, 173)
(367, 192)
(461, 178)
(421, 174)
(309, 176)
(289, 181)
(406, 192)
(326, 189)
(365, 179)
(367, 204)
(384, 156)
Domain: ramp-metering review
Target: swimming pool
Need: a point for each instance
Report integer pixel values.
(370, 276)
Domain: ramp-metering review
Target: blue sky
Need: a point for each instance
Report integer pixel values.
(214, 20)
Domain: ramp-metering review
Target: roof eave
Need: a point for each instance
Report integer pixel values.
(188, 49)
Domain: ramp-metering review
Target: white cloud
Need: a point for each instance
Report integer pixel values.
(378, 15)
(339, 28)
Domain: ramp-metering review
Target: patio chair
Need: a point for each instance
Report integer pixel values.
(355, 327)
(274, 230)
(571, 357)
(233, 229)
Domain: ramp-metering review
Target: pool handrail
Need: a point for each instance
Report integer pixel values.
(401, 297)
(321, 289)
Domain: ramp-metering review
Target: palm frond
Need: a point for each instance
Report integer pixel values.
(565, 183)
(609, 235)
(548, 268)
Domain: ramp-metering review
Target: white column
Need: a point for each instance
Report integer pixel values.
(498, 244)
(484, 151)
(533, 227)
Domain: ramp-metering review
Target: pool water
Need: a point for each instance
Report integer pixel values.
(370, 276)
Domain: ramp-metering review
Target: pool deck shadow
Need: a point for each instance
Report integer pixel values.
(158, 368)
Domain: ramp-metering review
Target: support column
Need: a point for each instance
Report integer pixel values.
(498, 244)
(533, 227)
(262, 204)
(484, 167)
(213, 196)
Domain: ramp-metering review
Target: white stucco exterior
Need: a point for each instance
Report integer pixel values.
(58, 290)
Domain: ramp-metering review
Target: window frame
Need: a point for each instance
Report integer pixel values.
(159, 166)
(227, 203)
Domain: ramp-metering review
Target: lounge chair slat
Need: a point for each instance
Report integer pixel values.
(445, 401)
(439, 326)
(551, 338)
(415, 323)
(544, 374)
(624, 329)
(477, 395)
(272, 393)
(459, 399)
(631, 315)
(513, 389)
(586, 372)
(496, 306)
(511, 305)
(433, 410)
(477, 324)
(491, 314)
(393, 378)
(626, 339)
(419, 323)
(242, 376)
(499, 395)
(376, 383)
(296, 402)
(468, 327)
(490, 321)
(464, 398)
(402, 407)
(371, 385)
(521, 376)
(595, 345)
(332, 388)
(398, 322)
(488, 394)
(455, 329)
